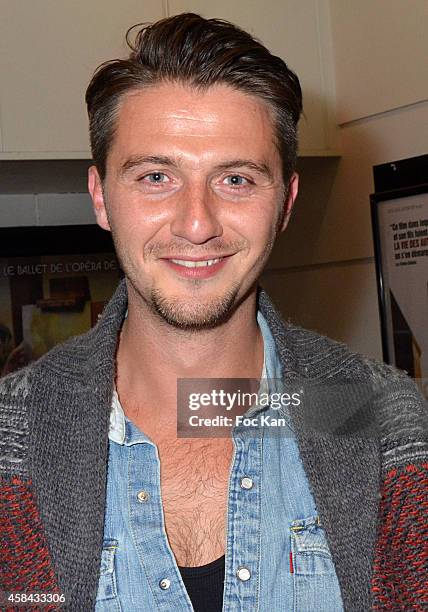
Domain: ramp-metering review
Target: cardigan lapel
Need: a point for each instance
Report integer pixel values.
(338, 444)
(70, 410)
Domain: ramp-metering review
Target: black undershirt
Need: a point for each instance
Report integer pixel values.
(204, 585)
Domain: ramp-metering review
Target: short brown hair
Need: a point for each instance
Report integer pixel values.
(200, 52)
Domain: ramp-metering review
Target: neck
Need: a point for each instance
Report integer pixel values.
(152, 355)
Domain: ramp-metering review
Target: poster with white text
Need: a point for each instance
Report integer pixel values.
(403, 235)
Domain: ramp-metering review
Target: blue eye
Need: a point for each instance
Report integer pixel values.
(236, 180)
(155, 178)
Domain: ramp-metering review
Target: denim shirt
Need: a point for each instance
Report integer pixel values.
(277, 557)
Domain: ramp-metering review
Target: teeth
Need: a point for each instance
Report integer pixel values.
(196, 264)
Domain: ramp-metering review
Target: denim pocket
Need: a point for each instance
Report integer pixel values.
(316, 588)
(311, 554)
(107, 592)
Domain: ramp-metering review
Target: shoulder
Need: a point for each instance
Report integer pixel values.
(352, 390)
(26, 389)
(24, 396)
(317, 357)
(15, 390)
(392, 399)
(321, 358)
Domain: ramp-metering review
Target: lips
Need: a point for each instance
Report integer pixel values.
(196, 268)
(196, 264)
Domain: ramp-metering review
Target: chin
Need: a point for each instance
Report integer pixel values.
(194, 314)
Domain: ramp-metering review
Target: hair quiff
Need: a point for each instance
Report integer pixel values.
(199, 52)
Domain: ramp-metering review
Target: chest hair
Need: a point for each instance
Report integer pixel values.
(194, 486)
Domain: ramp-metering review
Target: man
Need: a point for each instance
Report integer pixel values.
(105, 505)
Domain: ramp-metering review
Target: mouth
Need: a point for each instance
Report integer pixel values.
(197, 267)
(190, 263)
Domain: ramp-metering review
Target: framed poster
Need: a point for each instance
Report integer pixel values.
(54, 282)
(400, 231)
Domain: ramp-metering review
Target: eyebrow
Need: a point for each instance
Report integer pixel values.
(139, 160)
(163, 160)
(261, 167)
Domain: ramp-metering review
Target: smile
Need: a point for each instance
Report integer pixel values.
(197, 269)
(196, 264)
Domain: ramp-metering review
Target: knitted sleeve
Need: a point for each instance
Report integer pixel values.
(400, 571)
(25, 564)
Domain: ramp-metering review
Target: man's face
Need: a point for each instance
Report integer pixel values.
(193, 178)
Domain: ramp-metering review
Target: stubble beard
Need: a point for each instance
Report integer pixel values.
(190, 314)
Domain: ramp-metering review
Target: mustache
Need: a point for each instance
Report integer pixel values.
(213, 247)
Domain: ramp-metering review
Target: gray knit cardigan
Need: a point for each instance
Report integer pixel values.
(362, 432)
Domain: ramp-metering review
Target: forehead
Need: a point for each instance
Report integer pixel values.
(217, 120)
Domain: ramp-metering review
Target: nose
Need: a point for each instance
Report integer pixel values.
(195, 217)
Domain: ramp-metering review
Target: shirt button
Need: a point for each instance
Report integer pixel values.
(246, 482)
(142, 496)
(164, 584)
(243, 574)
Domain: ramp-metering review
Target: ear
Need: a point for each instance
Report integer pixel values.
(96, 190)
(291, 195)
